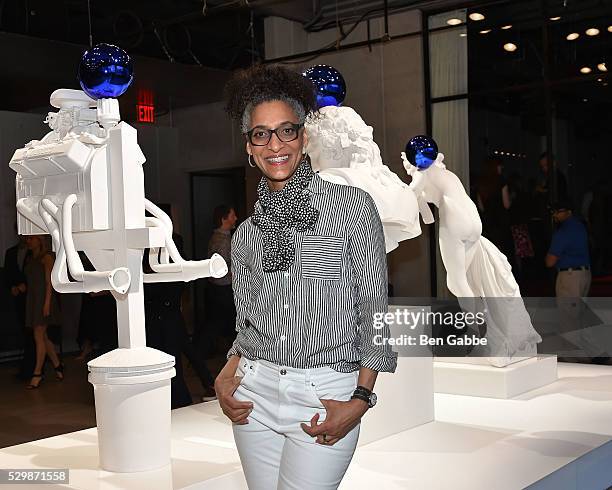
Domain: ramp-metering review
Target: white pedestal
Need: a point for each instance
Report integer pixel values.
(405, 398)
(493, 382)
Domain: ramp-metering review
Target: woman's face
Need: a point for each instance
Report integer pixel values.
(277, 160)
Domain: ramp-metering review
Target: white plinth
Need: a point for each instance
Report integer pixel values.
(494, 382)
(405, 400)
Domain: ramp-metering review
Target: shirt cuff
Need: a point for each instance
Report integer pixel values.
(234, 351)
(380, 363)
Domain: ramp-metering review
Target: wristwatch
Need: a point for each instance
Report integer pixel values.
(368, 396)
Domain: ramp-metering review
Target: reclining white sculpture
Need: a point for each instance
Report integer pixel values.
(477, 272)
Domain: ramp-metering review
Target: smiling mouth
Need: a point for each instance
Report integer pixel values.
(277, 160)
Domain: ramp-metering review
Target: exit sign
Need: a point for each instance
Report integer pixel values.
(145, 113)
(145, 107)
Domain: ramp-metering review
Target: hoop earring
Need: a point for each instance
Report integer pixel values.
(251, 164)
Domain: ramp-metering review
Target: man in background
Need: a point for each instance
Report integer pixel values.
(222, 311)
(569, 253)
(15, 282)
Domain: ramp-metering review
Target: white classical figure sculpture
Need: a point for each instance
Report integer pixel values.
(83, 183)
(477, 272)
(342, 150)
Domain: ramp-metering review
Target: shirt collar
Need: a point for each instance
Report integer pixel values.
(318, 185)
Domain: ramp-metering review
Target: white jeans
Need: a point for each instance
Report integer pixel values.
(274, 450)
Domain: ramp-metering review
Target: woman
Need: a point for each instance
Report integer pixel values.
(309, 274)
(41, 306)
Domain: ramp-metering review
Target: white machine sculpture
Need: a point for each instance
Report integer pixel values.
(83, 183)
(477, 272)
(342, 148)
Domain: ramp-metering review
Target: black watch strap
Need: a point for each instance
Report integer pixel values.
(361, 396)
(364, 389)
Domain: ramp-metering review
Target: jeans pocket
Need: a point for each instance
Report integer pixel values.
(333, 385)
(245, 370)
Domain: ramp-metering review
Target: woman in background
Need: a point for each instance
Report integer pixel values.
(41, 306)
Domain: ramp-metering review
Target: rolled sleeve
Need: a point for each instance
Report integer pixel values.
(369, 260)
(240, 287)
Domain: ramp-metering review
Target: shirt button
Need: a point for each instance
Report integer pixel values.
(282, 337)
(286, 274)
(286, 306)
(283, 371)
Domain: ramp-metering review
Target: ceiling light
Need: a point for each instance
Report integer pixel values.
(510, 47)
(454, 21)
(509, 26)
(572, 36)
(600, 79)
(585, 70)
(555, 18)
(485, 31)
(476, 16)
(609, 28)
(463, 34)
(593, 31)
(602, 67)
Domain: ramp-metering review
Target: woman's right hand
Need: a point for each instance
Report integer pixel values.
(235, 410)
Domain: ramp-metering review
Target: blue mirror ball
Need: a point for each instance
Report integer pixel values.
(329, 83)
(421, 151)
(105, 71)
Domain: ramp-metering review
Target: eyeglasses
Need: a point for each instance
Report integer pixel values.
(285, 133)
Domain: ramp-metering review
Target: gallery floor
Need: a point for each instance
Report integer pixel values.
(556, 437)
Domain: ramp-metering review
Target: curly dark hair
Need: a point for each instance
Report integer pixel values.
(262, 83)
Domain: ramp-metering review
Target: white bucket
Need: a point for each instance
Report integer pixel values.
(133, 409)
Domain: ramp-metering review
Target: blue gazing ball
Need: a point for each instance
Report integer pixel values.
(421, 151)
(329, 83)
(105, 71)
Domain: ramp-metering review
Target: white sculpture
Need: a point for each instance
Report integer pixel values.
(83, 183)
(342, 149)
(477, 272)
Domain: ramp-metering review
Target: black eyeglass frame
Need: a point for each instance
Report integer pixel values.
(296, 126)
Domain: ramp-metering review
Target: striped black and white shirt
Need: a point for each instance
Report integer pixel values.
(320, 312)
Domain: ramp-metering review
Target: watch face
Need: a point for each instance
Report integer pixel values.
(373, 399)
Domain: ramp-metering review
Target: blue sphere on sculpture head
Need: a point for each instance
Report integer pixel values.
(421, 151)
(105, 71)
(329, 84)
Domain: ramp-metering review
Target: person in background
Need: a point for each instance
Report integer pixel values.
(41, 306)
(220, 295)
(493, 200)
(569, 253)
(15, 282)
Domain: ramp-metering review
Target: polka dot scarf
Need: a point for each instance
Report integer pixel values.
(278, 211)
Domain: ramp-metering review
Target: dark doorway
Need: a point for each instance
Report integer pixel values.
(208, 190)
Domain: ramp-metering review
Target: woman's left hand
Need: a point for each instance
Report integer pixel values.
(341, 418)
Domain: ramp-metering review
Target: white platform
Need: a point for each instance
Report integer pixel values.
(554, 438)
(494, 382)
